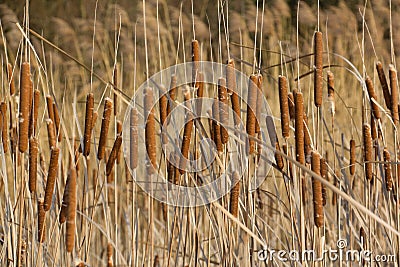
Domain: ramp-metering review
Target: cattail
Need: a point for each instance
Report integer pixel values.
(150, 130)
(368, 157)
(278, 157)
(231, 87)
(88, 124)
(352, 156)
(235, 192)
(34, 112)
(57, 122)
(307, 138)
(33, 158)
(216, 127)
(384, 84)
(223, 109)
(259, 101)
(318, 69)
(363, 238)
(172, 94)
(284, 106)
(372, 95)
(113, 155)
(3, 126)
(163, 99)
(274, 141)
(134, 136)
(67, 194)
(71, 212)
(41, 221)
(24, 107)
(94, 119)
(51, 133)
(374, 131)
(51, 177)
(195, 59)
(115, 82)
(324, 174)
(317, 190)
(251, 108)
(11, 78)
(105, 123)
(299, 127)
(394, 94)
(187, 133)
(109, 255)
(388, 169)
(119, 132)
(291, 105)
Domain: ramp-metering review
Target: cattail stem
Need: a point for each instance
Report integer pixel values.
(11, 78)
(3, 126)
(119, 133)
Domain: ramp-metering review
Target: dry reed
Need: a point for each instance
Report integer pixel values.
(3, 126)
(10, 76)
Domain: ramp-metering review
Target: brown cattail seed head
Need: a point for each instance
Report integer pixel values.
(235, 192)
(324, 174)
(299, 127)
(113, 155)
(34, 112)
(394, 93)
(307, 138)
(51, 177)
(384, 84)
(223, 109)
(284, 105)
(11, 79)
(259, 101)
(71, 212)
(388, 170)
(251, 109)
(172, 94)
(216, 128)
(372, 95)
(368, 150)
(105, 124)
(24, 106)
(51, 133)
(33, 159)
(150, 130)
(187, 133)
(41, 221)
(318, 69)
(88, 124)
(133, 138)
(317, 191)
(352, 156)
